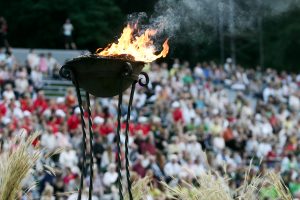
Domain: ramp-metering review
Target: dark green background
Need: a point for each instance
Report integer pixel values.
(38, 24)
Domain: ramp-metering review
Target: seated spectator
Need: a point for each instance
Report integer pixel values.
(40, 103)
(68, 158)
(140, 166)
(32, 59)
(172, 168)
(110, 177)
(37, 78)
(22, 83)
(9, 93)
(43, 66)
(74, 121)
(108, 157)
(51, 64)
(48, 193)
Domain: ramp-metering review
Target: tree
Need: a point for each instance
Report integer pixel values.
(38, 23)
(282, 41)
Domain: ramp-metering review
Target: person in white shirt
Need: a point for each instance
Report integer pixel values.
(267, 92)
(197, 168)
(48, 193)
(51, 63)
(193, 148)
(140, 98)
(68, 158)
(107, 157)
(198, 71)
(294, 102)
(85, 195)
(48, 140)
(8, 92)
(32, 59)
(22, 83)
(172, 168)
(111, 176)
(67, 31)
(218, 143)
(266, 128)
(263, 149)
(251, 144)
(37, 78)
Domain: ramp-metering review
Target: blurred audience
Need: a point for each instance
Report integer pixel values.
(233, 114)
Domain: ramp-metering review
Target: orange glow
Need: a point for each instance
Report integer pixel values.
(140, 47)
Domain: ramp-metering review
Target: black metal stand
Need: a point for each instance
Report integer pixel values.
(73, 76)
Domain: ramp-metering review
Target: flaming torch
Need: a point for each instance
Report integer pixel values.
(141, 48)
(107, 73)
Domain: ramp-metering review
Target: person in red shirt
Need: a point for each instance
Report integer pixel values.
(105, 113)
(130, 127)
(74, 121)
(26, 103)
(138, 167)
(291, 144)
(3, 107)
(60, 104)
(27, 121)
(52, 106)
(229, 138)
(228, 134)
(143, 125)
(60, 117)
(275, 123)
(107, 127)
(40, 104)
(53, 127)
(70, 98)
(69, 176)
(148, 145)
(177, 112)
(97, 123)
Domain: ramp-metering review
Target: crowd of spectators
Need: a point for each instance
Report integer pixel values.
(234, 114)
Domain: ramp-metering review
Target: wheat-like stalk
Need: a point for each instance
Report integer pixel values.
(15, 166)
(211, 186)
(140, 189)
(281, 189)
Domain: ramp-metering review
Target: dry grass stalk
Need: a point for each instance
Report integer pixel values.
(282, 191)
(212, 186)
(249, 191)
(140, 189)
(54, 152)
(15, 166)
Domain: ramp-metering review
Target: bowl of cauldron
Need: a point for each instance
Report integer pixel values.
(102, 76)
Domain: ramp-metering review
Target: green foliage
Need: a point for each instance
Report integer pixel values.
(38, 23)
(282, 41)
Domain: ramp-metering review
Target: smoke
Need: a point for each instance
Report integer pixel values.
(201, 19)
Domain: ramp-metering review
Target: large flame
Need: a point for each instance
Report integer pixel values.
(140, 47)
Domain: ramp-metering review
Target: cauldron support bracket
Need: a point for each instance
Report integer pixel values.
(119, 139)
(123, 72)
(127, 139)
(91, 144)
(75, 82)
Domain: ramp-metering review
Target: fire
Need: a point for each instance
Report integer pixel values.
(140, 47)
